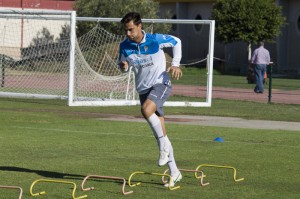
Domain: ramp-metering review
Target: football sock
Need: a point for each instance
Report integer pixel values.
(156, 127)
(171, 163)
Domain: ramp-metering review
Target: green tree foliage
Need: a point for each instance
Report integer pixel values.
(115, 9)
(43, 37)
(65, 33)
(247, 20)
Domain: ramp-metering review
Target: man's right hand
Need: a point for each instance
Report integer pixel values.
(123, 66)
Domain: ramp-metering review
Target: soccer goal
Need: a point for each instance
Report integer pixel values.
(41, 57)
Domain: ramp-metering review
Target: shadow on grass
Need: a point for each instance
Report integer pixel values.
(47, 174)
(58, 175)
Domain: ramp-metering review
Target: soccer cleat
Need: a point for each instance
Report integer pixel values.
(175, 178)
(163, 157)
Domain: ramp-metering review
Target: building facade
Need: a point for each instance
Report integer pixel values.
(284, 52)
(39, 4)
(17, 34)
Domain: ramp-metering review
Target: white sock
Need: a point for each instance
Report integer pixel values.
(171, 163)
(156, 127)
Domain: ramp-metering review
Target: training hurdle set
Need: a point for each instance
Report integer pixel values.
(198, 174)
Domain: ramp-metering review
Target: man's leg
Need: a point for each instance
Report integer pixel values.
(259, 78)
(263, 71)
(171, 163)
(174, 171)
(151, 112)
(256, 72)
(148, 111)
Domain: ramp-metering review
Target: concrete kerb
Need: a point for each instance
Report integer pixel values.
(216, 121)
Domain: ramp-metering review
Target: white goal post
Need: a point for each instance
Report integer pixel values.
(52, 62)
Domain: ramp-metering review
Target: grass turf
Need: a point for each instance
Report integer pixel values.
(52, 141)
(197, 76)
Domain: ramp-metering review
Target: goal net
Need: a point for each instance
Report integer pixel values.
(41, 57)
(35, 53)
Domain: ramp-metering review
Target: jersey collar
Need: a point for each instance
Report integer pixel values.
(144, 37)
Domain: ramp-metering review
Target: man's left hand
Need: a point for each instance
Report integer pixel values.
(176, 72)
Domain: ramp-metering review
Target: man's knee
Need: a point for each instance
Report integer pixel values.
(146, 111)
(148, 108)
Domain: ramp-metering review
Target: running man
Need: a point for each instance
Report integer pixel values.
(143, 52)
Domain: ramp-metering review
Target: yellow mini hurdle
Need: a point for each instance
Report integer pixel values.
(156, 174)
(13, 187)
(218, 166)
(55, 181)
(201, 177)
(105, 177)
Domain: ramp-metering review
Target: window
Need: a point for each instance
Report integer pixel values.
(174, 26)
(298, 23)
(198, 27)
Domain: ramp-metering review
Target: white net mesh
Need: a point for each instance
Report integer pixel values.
(96, 73)
(35, 60)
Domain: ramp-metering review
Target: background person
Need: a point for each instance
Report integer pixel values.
(260, 58)
(143, 52)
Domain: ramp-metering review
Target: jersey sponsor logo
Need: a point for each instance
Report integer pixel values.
(130, 51)
(147, 65)
(142, 62)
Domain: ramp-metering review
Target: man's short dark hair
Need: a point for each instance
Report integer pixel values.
(261, 43)
(132, 16)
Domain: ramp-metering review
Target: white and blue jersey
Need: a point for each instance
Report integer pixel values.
(148, 60)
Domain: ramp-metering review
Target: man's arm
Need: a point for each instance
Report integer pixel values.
(176, 72)
(177, 53)
(164, 41)
(268, 58)
(123, 64)
(254, 56)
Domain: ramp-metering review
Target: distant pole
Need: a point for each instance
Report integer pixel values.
(3, 70)
(22, 26)
(270, 82)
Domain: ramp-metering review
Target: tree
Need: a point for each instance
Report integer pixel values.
(114, 9)
(250, 21)
(65, 33)
(43, 37)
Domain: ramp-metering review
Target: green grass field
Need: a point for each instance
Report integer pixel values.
(197, 76)
(45, 139)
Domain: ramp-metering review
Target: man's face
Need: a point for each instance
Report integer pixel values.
(133, 32)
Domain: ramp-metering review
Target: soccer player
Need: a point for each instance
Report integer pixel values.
(143, 52)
